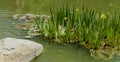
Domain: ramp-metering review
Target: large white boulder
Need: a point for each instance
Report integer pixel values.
(18, 50)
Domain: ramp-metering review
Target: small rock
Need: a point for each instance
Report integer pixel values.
(17, 16)
(28, 36)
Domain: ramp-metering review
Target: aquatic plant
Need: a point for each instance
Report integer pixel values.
(94, 30)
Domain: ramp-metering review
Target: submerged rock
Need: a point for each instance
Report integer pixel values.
(33, 31)
(25, 17)
(22, 26)
(18, 50)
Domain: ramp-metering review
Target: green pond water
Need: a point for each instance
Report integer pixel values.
(53, 52)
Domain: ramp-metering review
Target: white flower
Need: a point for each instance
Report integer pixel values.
(46, 33)
(61, 30)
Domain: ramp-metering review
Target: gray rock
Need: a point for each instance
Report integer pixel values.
(17, 16)
(30, 17)
(24, 17)
(18, 50)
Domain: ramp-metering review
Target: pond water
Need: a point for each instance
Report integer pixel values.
(53, 52)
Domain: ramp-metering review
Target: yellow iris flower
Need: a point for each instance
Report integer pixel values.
(65, 18)
(102, 16)
(77, 10)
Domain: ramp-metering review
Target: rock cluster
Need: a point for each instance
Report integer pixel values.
(26, 17)
(18, 50)
(30, 17)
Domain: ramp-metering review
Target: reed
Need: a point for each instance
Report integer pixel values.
(89, 28)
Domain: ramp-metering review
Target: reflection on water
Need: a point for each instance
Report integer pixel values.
(52, 52)
(6, 27)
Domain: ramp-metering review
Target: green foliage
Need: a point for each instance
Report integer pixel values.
(87, 27)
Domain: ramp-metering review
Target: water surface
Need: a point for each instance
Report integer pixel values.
(53, 52)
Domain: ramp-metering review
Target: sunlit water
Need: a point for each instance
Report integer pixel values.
(53, 52)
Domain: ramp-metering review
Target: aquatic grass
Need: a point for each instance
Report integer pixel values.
(92, 29)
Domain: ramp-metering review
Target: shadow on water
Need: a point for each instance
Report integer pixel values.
(53, 52)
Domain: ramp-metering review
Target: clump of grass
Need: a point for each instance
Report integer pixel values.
(94, 30)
